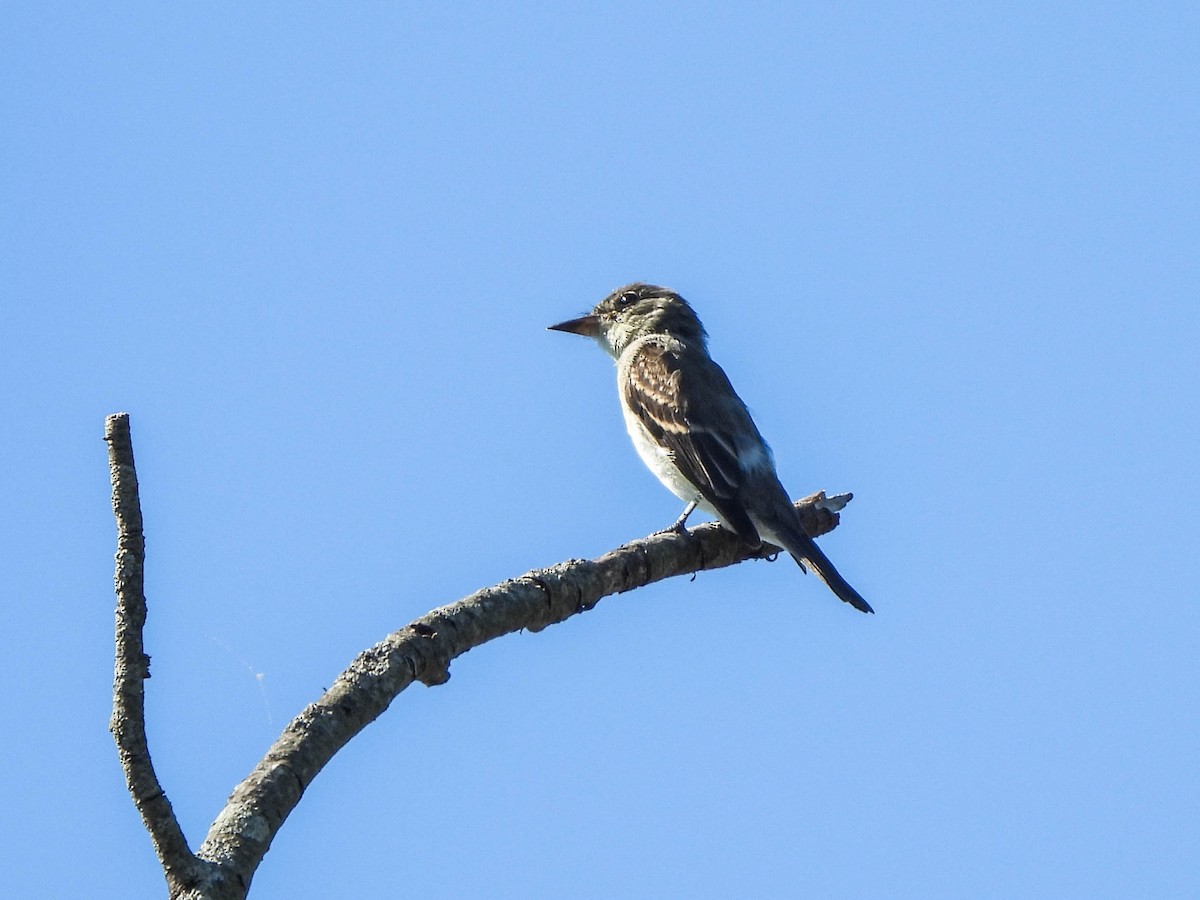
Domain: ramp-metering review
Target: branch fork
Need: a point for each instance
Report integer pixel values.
(224, 864)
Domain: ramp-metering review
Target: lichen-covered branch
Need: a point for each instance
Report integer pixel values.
(421, 651)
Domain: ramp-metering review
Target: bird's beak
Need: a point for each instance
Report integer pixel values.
(588, 326)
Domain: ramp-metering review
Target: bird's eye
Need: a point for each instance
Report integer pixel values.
(628, 297)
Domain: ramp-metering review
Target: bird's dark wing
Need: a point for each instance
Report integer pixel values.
(687, 410)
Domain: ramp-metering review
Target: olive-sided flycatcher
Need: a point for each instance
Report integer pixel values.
(692, 429)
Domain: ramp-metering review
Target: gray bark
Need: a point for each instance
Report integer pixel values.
(225, 862)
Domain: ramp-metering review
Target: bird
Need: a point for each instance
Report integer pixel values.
(690, 427)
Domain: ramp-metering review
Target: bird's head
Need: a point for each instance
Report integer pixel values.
(634, 311)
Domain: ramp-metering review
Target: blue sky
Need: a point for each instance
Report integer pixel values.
(947, 253)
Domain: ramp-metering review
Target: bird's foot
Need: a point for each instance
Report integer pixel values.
(679, 525)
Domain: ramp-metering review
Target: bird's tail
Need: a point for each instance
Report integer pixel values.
(806, 552)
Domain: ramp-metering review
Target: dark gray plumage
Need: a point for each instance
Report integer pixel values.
(692, 429)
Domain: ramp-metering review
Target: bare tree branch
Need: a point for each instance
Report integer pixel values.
(128, 723)
(421, 651)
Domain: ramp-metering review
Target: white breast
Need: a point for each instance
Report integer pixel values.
(657, 459)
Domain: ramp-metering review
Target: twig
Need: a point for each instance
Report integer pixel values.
(128, 723)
